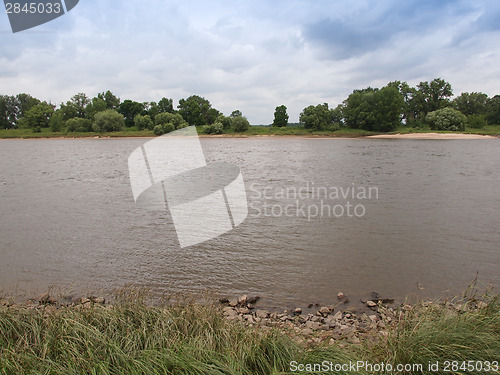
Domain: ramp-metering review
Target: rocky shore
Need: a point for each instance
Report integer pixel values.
(313, 324)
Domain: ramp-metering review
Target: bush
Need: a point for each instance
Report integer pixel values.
(446, 119)
(108, 121)
(476, 121)
(36, 129)
(225, 121)
(240, 123)
(172, 118)
(163, 128)
(215, 128)
(143, 122)
(79, 125)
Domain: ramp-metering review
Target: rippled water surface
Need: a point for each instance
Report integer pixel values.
(433, 220)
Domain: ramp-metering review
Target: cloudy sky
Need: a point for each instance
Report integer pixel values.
(253, 55)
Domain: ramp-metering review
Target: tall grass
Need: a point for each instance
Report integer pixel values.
(188, 338)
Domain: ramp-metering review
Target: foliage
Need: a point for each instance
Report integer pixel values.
(95, 106)
(225, 121)
(493, 110)
(173, 118)
(280, 116)
(446, 119)
(8, 111)
(39, 115)
(143, 122)
(164, 128)
(236, 113)
(197, 111)
(476, 121)
(56, 122)
(316, 117)
(78, 124)
(108, 121)
(129, 109)
(112, 102)
(240, 123)
(471, 103)
(373, 109)
(215, 128)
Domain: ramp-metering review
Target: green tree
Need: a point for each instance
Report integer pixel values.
(493, 110)
(143, 122)
(197, 111)
(129, 109)
(280, 116)
(79, 124)
(39, 115)
(8, 111)
(24, 103)
(431, 96)
(318, 117)
(79, 103)
(108, 121)
(171, 118)
(225, 121)
(235, 113)
(112, 102)
(96, 105)
(166, 105)
(473, 103)
(446, 119)
(57, 122)
(240, 123)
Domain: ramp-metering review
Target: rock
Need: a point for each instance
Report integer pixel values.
(100, 300)
(307, 331)
(310, 306)
(338, 315)
(243, 299)
(324, 310)
(481, 305)
(341, 296)
(373, 318)
(313, 325)
(233, 303)
(251, 306)
(85, 301)
(253, 300)
(243, 310)
(371, 304)
(298, 311)
(223, 300)
(263, 314)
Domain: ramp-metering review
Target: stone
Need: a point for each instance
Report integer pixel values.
(341, 296)
(243, 310)
(251, 306)
(338, 315)
(324, 310)
(223, 300)
(253, 300)
(313, 325)
(263, 314)
(100, 300)
(371, 304)
(233, 303)
(243, 299)
(373, 318)
(298, 311)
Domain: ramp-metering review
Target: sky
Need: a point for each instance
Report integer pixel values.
(252, 55)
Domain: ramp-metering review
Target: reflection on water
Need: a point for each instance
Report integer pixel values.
(68, 218)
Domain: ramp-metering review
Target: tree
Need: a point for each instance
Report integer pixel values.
(493, 110)
(446, 119)
(57, 122)
(225, 121)
(107, 121)
(374, 109)
(8, 111)
(240, 123)
(143, 122)
(39, 115)
(79, 102)
(166, 105)
(112, 102)
(473, 103)
(175, 119)
(197, 111)
(235, 113)
(315, 117)
(96, 105)
(129, 109)
(24, 103)
(431, 96)
(280, 116)
(79, 124)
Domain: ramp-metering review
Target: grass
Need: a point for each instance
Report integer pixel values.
(253, 131)
(134, 338)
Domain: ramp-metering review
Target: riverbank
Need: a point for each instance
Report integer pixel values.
(259, 131)
(235, 337)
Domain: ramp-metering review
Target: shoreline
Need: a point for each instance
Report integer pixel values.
(422, 136)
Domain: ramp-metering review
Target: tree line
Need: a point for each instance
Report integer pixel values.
(372, 109)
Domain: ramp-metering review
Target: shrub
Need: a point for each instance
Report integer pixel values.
(215, 128)
(163, 128)
(225, 121)
(79, 125)
(108, 121)
(172, 118)
(240, 123)
(476, 121)
(143, 122)
(446, 119)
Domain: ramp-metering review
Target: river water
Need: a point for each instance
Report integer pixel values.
(399, 217)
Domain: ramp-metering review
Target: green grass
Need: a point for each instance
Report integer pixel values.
(133, 338)
(253, 131)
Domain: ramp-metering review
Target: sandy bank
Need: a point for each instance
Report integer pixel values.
(431, 136)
